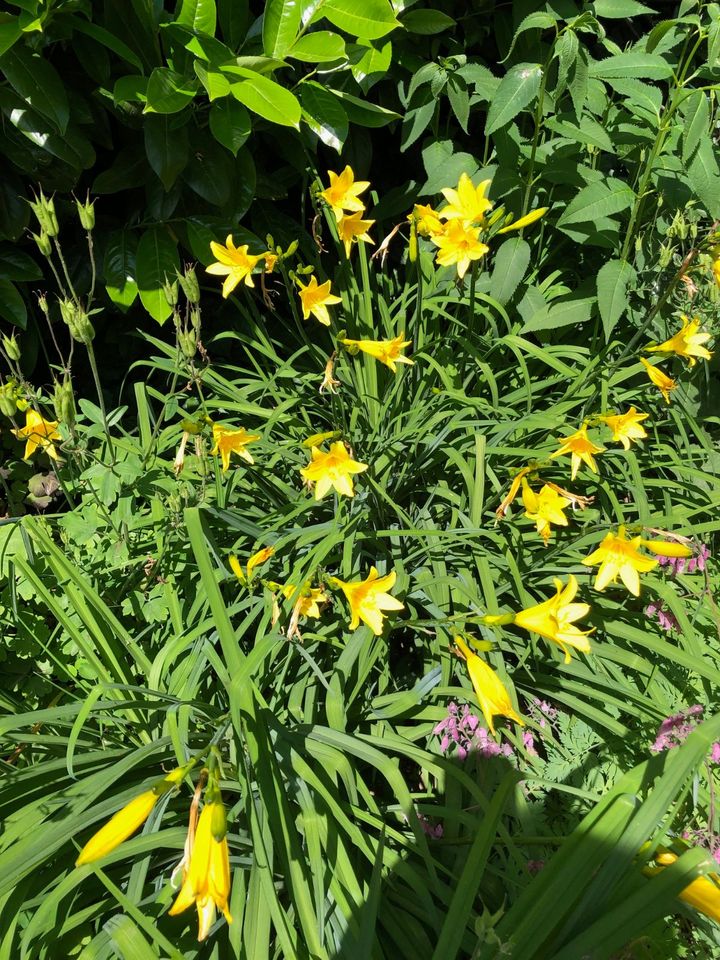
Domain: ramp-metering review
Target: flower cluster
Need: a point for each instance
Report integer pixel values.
(687, 343)
(675, 729)
(462, 733)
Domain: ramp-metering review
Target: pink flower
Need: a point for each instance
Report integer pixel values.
(535, 866)
(676, 728)
(676, 565)
(529, 743)
(434, 831)
(666, 618)
(715, 753)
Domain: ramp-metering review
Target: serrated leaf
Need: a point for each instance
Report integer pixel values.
(517, 89)
(613, 281)
(12, 305)
(617, 9)
(697, 123)
(369, 19)
(657, 33)
(511, 262)
(268, 99)
(230, 124)
(597, 200)
(324, 114)
(119, 268)
(281, 23)
(539, 20)
(560, 314)
(157, 263)
(704, 177)
(632, 64)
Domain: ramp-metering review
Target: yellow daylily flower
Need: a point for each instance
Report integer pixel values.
(554, 619)
(545, 508)
(256, 560)
(467, 202)
(386, 351)
(369, 598)
(581, 449)
(127, 820)
(352, 228)
(492, 695)
(227, 441)
(38, 432)
(315, 299)
(206, 877)
(687, 342)
(619, 556)
(525, 221)
(716, 270)
(626, 426)
(427, 221)
(702, 893)
(307, 603)
(333, 468)
(233, 263)
(343, 192)
(512, 493)
(459, 243)
(664, 383)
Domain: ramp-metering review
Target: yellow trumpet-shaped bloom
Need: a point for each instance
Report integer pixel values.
(687, 342)
(256, 560)
(703, 893)
(315, 299)
(427, 220)
(369, 598)
(206, 879)
(545, 508)
(386, 351)
(352, 228)
(664, 383)
(492, 695)
(466, 202)
(308, 601)
(581, 449)
(38, 432)
(344, 192)
(124, 823)
(626, 426)
(229, 441)
(555, 619)
(333, 468)
(621, 557)
(460, 244)
(233, 263)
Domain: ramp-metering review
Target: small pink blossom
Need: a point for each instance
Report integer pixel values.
(676, 729)
(432, 830)
(535, 866)
(461, 729)
(666, 618)
(677, 565)
(529, 743)
(715, 753)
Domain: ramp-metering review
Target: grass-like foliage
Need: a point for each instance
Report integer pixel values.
(366, 608)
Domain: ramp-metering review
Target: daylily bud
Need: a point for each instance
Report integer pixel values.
(44, 210)
(171, 292)
(86, 212)
(64, 401)
(43, 243)
(667, 548)
(11, 347)
(190, 285)
(218, 824)
(291, 249)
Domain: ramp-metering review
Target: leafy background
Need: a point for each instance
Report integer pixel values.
(127, 642)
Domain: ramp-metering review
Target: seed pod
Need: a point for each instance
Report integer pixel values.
(171, 292)
(86, 212)
(64, 401)
(43, 243)
(11, 347)
(8, 406)
(190, 285)
(188, 343)
(44, 210)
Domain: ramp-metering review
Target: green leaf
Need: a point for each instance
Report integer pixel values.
(427, 22)
(17, 265)
(443, 166)
(72, 147)
(210, 173)
(119, 268)
(216, 84)
(613, 280)
(657, 33)
(363, 112)
(157, 263)
(323, 46)
(166, 147)
(617, 9)
(199, 15)
(370, 62)
(168, 91)
(632, 64)
(324, 114)
(131, 88)
(107, 39)
(539, 20)
(38, 83)
(601, 199)
(281, 23)
(561, 314)
(697, 123)
(517, 89)
(268, 99)
(230, 124)
(369, 19)
(588, 132)
(511, 262)
(10, 32)
(12, 305)
(704, 177)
